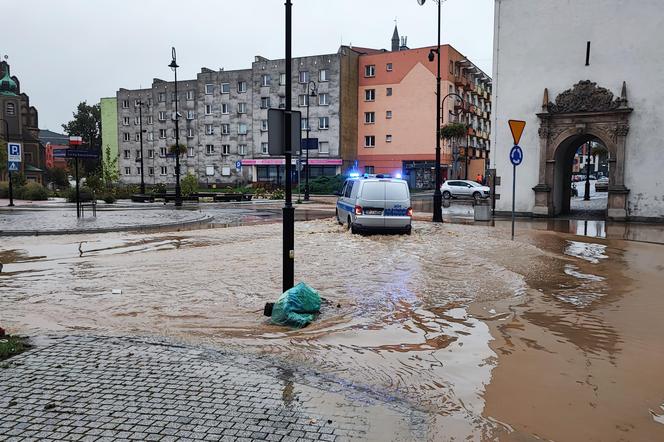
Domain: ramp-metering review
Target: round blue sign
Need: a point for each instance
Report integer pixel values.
(238, 164)
(516, 155)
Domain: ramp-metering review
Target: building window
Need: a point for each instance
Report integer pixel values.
(209, 130)
(370, 70)
(322, 75)
(138, 170)
(137, 121)
(242, 149)
(162, 152)
(242, 86)
(242, 108)
(162, 133)
(388, 115)
(127, 154)
(209, 149)
(225, 129)
(190, 95)
(369, 117)
(149, 119)
(208, 109)
(303, 100)
(174, 97)
(151, 171)
(451, 67)
(164, 170)
(388, 138)
(11, 109)
(369, 141)
(225, 88)
(190, 132)
(209, 89)
(323, 99)
(242, 129)
(150, 136)
(264, 148)
(150, 153)
(388, 91)
(369, 169)
(125, 121)
(162, 97)
(388, 66)
(304, 124)
(282, 79)
(191, 115)
(324, 147)
(282, 102)
(125, 105)
(265, 80)
(162, 116)
(225, 149)
(304, 77)
(224, 108)
(265, 102)
(176, 134)
(369, 94)
(125, 136)
(324, 123)
(137, 136)
(264, 125)
(127, 170)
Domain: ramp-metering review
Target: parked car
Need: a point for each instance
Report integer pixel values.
(602, 185)
(464, 188)
(374, 203)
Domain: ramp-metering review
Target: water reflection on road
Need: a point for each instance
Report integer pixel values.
(490, 337)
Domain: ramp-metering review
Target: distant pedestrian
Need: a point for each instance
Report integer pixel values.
(479, 178)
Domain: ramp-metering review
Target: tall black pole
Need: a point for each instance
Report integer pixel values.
(306, 173)
(178, 194)
(78, 190)
(586, 196)
(11, 184)
(437, 196)
(140, 122)
(289, 210)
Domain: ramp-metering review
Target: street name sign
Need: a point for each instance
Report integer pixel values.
(75, 153)
(516, 127)
(309, 144)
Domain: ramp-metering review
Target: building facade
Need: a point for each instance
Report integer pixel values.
(223, 121)
(588, 75)
(109, 128)
(397, 113)
(52, 141)
(19, 123)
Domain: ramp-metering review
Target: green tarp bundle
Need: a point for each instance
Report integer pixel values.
(297, 307)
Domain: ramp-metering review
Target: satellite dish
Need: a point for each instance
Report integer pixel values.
(420, 2)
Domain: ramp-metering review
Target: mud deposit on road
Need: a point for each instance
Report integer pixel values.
(552, 336)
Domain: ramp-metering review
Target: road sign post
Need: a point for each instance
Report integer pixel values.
(13, 165)
(516, 157)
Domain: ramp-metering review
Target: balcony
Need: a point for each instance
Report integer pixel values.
(461, 82)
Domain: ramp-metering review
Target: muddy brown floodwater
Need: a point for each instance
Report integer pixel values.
(552, 336)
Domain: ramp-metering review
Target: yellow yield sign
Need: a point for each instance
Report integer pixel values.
(516, 126)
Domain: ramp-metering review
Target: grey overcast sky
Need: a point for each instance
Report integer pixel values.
(67, 51)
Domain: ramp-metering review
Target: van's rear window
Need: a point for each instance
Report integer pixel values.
(396, 192)
(373, 190)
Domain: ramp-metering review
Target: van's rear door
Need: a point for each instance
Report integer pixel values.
(397, 202)
(372, 200)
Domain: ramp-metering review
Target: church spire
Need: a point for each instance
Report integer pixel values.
(395, 39)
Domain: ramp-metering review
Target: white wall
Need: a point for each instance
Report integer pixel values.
(542, 43)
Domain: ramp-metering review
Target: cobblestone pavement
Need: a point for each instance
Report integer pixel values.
(104, 389)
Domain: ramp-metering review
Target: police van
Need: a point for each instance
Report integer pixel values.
(375, 203)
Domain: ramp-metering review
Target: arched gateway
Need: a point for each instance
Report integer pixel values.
(584, 113)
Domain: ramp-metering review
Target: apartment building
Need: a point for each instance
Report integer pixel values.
(397, 113)
(223, 121)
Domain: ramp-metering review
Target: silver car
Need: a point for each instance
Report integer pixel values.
(373, 203)
(464, 188)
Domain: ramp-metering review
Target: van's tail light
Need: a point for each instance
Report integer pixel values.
(409, 212)
(358, 210)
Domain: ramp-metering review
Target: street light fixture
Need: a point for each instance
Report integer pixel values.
(178, 194)
(312, 92)
(437, 196)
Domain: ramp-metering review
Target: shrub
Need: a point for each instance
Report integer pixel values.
(18, 180)
(109, 198)
(189, 185)
(94, 183)
(32, 192)
(277, 194)
(85, 194)
(125, 192)
(325, 185)
(159, 189)
(4, 190)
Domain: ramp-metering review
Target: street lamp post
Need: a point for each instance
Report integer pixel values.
(310, 95)
(288, 251)
(11, 184)
(178, 195)
(140, 122)
(586, 196)
(437, 196)
(455, 147)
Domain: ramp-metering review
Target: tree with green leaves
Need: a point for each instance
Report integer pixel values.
(3, 157)
(87, 125)
(109, 170)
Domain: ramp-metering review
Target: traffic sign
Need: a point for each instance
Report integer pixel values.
(14, 152)
(13, 166)
(275, 132)
(238, 165)
(516, 155)
(516, 127)
(75, 153)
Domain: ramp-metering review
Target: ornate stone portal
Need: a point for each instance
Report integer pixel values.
(581, 114)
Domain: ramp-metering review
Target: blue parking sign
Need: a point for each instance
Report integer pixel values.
(14, 152)
(238, 165)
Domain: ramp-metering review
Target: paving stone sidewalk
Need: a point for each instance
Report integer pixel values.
(107, 389)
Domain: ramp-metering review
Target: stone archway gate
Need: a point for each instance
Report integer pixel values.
(585, 109)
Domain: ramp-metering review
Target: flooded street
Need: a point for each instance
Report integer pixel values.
(553, 336)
